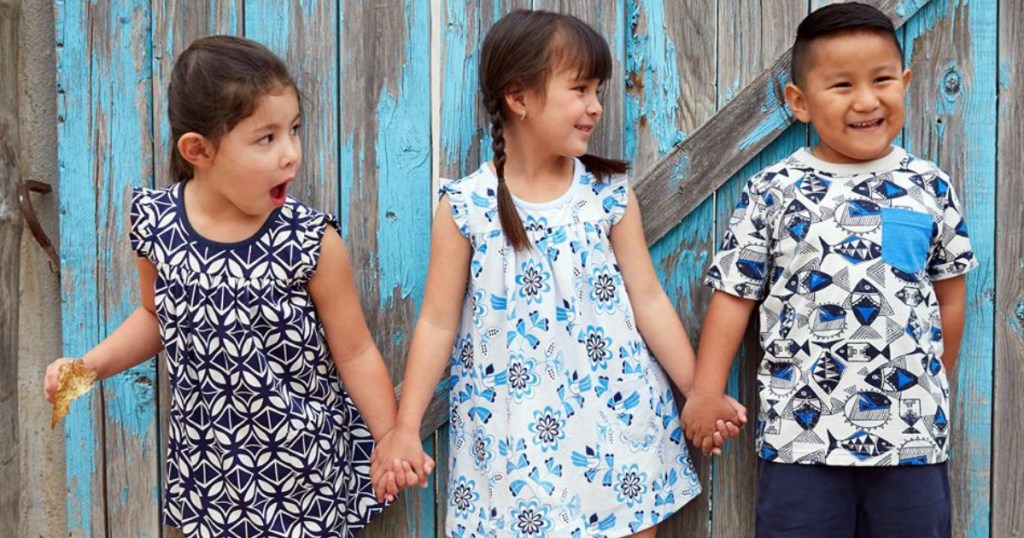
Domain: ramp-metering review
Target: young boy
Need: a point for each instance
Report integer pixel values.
(855, 251)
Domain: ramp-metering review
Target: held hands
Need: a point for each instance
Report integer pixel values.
(399, 462)
(50, 380)
(709, 420)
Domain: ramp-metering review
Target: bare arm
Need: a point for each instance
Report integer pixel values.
(438, 322)
(720, 337)
(133, 342)
(359, 363)
(951, 293)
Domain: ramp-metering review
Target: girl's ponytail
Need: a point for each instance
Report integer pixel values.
(511, 224)
(602, 168)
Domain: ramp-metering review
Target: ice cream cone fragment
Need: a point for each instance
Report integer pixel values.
(73, 380)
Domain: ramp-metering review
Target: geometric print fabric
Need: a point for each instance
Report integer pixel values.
(263, 439)
(842, 259)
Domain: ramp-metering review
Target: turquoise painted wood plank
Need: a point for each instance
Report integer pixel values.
(670, 91)
(105, 146)
(750, 36)
(952, 48)
(121, 68)
(175, 25)
(79, 271)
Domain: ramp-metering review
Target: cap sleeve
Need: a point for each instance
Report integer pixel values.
(455, 190)
(142, 215)
(615, 198)
(313, 225)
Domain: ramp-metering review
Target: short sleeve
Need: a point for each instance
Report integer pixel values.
(741, 266)
(616, 198)
(313, 226)
(951, 253)
(455, 190)
(142, 215)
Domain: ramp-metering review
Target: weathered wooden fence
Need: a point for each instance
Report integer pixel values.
(694, 104)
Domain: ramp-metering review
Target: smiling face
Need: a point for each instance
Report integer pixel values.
(853, 93)
(563, 118)
(254, 162)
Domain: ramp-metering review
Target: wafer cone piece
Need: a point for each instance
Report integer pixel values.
(73, 380)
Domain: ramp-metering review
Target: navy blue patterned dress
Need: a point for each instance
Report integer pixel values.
(263, 440)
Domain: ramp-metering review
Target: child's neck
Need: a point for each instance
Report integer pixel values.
(535, 175)
(214, 216)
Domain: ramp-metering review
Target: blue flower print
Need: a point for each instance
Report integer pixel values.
(463, 498)
(548, 427)
(529, 520)
(630, 484)
(480, 309)
(604, 285)
(598, 346)
(535, 224)
(533, 282)
(521, 376)
(463, 353)
(481, 449)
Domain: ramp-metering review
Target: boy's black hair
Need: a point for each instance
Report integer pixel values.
(833, 20)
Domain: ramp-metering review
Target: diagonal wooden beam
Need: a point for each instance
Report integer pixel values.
(706, 159)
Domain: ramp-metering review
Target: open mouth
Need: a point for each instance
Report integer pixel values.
(278, 193)
(870, 124)
(585, 128)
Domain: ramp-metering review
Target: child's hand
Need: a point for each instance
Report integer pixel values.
(709, 420)
(51, 378)
(399, 461)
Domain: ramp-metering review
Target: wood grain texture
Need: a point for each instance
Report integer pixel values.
(694, 168)
(175, 25)
(10, 263)
(951, 48)
(1008, 421)
(750, 36)
(670, 90)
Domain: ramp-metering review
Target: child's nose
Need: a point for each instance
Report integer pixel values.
(865, 101)
(292, 153)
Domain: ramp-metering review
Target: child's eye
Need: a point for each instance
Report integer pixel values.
(295, 130)
(266, 140)
(581, 89)
(885, 78)
(842, 85)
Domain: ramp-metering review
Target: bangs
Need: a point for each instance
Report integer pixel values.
(577, 47)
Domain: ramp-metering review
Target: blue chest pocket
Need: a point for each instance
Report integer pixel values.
(906, 238)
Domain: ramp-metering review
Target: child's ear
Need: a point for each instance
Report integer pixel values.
(907, 75)
(797, 102)
(196, 149)
(515, 102)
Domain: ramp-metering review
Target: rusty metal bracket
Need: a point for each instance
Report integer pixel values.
(29, 213)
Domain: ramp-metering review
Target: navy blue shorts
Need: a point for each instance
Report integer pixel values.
(818, 501)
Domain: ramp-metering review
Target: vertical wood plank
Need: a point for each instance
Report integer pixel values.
(121, 70)
(176, 24)
(951, 47)
(1008, 435)
(670, 90)
(79, 313)
(750, 37)
(385, 189)
(10, 262)
(105, 146)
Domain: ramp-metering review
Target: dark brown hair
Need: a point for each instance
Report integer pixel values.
(833, 20)
(217, 82)
(519, 53)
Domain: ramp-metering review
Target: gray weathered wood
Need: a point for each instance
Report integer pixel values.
(692, 171)
(10, 263)
(750, 36)
(176, 24)
(1008, 421)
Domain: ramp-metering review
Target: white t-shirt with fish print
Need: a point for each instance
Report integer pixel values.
(842, 258)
